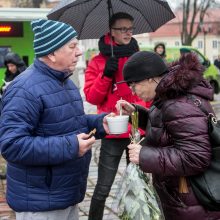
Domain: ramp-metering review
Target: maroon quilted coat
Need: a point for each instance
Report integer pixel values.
(177, 142)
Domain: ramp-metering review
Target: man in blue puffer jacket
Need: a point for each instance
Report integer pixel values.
(44, 130)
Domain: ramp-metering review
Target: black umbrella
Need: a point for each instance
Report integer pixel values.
(90, 18)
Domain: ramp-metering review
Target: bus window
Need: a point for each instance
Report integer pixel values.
(3, 52)
(25, 59)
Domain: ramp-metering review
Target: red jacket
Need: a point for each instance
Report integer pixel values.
(103, 92)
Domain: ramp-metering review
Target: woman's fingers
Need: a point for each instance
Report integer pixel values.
(134, 152)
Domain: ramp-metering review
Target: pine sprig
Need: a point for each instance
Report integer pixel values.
(134, 129)
(136, 199)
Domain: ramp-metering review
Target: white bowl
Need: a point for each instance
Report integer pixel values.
(118, 124)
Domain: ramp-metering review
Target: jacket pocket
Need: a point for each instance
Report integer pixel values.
(168, 196)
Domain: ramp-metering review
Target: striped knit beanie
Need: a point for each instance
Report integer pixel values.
(50, 35)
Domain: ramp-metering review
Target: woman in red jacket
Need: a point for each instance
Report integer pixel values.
(101, 76)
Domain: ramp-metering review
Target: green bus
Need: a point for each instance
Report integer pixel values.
(21, 45)
(16, 34)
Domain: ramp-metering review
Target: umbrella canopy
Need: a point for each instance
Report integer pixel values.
(90, 18)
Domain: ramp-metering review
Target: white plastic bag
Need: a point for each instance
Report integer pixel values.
(136, 198)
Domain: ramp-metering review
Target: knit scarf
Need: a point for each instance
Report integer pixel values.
(121, 52)
(118, 50)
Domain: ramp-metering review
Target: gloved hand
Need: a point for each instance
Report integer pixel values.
(111, 67)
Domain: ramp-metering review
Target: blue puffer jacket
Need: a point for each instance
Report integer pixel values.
(42, 114)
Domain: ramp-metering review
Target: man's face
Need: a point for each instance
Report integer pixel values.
(122, 31)
(66, 57)
(12, 68)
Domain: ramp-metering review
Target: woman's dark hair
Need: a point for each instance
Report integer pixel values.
(117, 16)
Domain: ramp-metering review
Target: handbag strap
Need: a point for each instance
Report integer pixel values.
(198, 103)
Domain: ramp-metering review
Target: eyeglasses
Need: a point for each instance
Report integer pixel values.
(133, 84)
(124, 30)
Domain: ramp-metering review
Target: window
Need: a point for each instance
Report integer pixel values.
(177, 43)
(214, 44)
(200, 44)
(3, 52)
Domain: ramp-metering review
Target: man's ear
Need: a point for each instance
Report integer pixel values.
(52, 57)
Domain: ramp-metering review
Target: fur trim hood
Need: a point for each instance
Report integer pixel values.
(185, 76)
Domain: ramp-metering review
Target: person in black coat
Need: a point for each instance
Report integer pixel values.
(160, 49)
(217, 62)
(14, 66)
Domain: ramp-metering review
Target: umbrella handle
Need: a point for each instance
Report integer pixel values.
(111, 42)
(110, 13)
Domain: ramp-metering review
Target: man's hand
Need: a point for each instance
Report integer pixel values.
(85, 143)
(111, 67)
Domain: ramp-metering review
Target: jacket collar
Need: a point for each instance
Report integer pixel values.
(59, 75)
(118, 50)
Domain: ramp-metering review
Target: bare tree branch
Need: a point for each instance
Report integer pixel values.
(192, 10)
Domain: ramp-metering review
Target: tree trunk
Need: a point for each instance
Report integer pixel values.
(37, 3)
(193, 9)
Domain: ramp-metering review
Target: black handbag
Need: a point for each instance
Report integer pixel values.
(206, 186)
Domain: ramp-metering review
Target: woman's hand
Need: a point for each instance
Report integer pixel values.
(125, 106)
(134, 152)
(105, 124)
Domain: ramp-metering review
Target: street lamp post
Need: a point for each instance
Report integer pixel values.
(218, 45)
(205, 29)
(204, 40)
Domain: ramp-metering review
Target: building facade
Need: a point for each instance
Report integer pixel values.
(29, 3)
(207, 41)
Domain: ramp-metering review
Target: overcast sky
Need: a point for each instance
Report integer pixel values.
(173, 3)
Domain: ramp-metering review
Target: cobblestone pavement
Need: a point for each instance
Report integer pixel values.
(5, 212)
(84, 206)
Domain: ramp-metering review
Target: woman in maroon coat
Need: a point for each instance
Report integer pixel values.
(177, 143)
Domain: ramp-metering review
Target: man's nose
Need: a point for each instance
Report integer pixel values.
(129, 32)
(79, 52)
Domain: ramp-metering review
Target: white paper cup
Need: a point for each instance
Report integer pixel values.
(118, 124)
